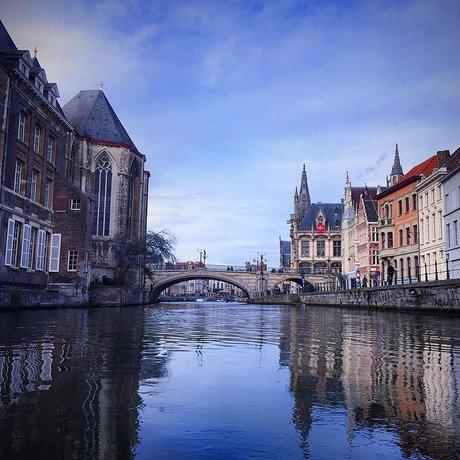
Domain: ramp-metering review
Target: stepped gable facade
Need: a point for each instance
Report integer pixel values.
(316, 233)
(112, 171)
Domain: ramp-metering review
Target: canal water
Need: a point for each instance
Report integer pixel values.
(228, 381)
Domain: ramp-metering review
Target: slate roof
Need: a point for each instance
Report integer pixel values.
(328, 209)
(285, 253)
(371, 207)
(92, 115)
(285, 247)
(6, 42)
(356, 193)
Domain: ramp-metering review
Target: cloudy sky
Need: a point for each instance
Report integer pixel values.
(227, 99)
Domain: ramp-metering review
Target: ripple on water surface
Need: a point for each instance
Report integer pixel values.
(228, 381)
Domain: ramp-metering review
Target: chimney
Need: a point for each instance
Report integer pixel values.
(443, 157)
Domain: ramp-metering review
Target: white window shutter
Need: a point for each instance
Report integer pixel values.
(25, 247)
(55, 252)
(9, 242)
(40, 264)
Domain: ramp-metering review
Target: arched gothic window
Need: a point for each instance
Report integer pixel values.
(102, 196)
(131, 180)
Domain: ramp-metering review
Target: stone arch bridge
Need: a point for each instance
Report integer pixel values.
(250, 282)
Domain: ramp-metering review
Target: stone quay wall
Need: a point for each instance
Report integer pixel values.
(431, 295)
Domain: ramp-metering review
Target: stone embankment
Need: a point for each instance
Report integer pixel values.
(441, 296)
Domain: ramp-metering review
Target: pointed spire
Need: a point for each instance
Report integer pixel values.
(296, 194)
(304, 194)
(397, 168)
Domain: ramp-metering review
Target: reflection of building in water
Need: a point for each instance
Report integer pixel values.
(314, 363)
(73, 392)
(381, 368)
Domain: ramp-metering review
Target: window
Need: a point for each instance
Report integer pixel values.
(52, 99)
(414, 202)
(55, 252)
(421, 202)
(305, 248)
(37, 138)
(22, 126)
(408, 235)
(18, 176)
(406, 200)
(426, 199)
(102, 193)
(440, 223)
(434, 226)
(447, 201)
(51, 148)
(337, 248)
(427, 228)
(320, 248)
(48, 193)
(23, 69)
(421, 230)
(32, 246)
(455, 233)
(39, 85)
(72, 261)
(401, 242)
(448, 235)
(25, 252)
(75, 204)
(375, 257)
(400, 208)
(432, 196)
(439, 192)
(382, 239)
(42, 243)
(375, 234)
(34, 185)
(12, 243)
(415, 234)
(131, 196)
(390, 240)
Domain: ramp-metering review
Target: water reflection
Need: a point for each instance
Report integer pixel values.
(228, 381)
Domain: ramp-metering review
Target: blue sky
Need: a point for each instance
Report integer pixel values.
(227, 99)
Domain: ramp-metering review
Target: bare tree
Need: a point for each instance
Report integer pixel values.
(138, 256)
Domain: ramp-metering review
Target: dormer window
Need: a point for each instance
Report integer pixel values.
(23, 69)
(39, 85)
(336, 210)
(52, 99)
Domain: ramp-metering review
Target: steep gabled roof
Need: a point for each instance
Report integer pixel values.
(356, 193)
(332, 211)
(371, 206)
(425, 167)
(92, 115)
(6, 42)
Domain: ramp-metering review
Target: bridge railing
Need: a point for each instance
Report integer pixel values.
(217, 267)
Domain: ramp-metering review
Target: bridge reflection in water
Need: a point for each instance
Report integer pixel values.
(219, 381)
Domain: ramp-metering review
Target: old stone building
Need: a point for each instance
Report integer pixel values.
(35, 137)
(316, 234)
(110, 169)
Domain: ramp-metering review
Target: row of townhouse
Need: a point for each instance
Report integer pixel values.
(73, 189)
(407, 230)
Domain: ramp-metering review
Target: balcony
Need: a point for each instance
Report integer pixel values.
(386, 221)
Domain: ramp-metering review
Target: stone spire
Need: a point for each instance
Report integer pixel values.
(304, 194)
(396, 170)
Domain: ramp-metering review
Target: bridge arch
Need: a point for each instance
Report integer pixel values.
(188, 275)
(294, 279)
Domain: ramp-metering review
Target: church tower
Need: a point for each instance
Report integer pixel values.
(303, 198)
(396, 170)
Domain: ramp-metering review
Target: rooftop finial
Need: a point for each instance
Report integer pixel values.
(35, 52)
(101, 85)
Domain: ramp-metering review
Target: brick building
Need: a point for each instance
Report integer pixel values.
(367, 249)
(398, 219)
(35, 135)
